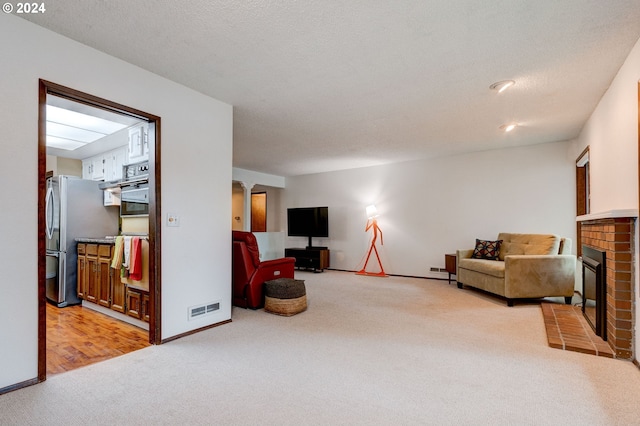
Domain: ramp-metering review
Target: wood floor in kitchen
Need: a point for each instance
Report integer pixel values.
(78, 336)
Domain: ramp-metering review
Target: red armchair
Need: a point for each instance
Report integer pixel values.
(249, 274)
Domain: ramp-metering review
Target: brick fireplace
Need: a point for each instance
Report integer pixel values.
(615, 236)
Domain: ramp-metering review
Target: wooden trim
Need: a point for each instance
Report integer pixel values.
(20, 385)
(582, 179)
(198, 330)
(42, 248)
(45, 88)
(581, 202)
(582, 154)
(155, 227)
(95, 101)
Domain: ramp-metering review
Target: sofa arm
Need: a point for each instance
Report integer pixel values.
(533, 276)
(275, 263)
(275, 268)
(462, 254)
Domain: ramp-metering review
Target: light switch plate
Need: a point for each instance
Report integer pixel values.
(173, 219)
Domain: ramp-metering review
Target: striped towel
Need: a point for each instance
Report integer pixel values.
(116, 262)
(127, 251)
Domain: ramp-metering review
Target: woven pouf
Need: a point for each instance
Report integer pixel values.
(285, 296)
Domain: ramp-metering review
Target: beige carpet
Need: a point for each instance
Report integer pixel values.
(367, 351)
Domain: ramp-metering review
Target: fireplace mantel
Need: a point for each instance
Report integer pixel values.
(610, 214)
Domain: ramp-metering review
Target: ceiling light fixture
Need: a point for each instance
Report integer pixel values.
(501, 86)
(508, 127)
(69, 130)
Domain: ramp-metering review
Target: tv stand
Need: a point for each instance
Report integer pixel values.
(316, 258)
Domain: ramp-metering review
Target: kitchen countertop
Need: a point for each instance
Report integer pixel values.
(96, 240)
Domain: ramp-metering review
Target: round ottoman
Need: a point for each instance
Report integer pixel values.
(285, 296)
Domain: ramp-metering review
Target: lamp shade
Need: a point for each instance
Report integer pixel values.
(372, 211)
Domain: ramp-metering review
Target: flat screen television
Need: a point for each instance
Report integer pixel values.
(308, 222)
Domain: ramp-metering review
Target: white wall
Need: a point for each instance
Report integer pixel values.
(432, 207)
(251, 177)
(237, 207)
(612, 137)
(274, 206)
(196, 159)
(257, 182)
(270, 245)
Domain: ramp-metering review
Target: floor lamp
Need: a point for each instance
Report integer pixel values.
(372, 223)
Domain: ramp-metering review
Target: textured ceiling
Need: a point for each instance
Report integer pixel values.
(321, 85)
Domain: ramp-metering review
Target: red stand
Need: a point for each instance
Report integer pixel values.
(373, 223)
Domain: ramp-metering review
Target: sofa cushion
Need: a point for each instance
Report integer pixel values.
(484, 266)
(486, 249)
(528, 244)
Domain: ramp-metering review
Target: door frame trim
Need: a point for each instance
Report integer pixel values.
(45, 88)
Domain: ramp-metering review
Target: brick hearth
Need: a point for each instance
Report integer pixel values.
(615, 237)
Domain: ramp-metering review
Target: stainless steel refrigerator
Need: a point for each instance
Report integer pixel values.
(73, 209)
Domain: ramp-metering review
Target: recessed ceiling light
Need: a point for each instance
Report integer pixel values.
(508, 127)
(501, 86)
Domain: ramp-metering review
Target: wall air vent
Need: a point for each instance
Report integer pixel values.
(199, 311)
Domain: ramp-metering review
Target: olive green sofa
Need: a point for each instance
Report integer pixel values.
(528, 266)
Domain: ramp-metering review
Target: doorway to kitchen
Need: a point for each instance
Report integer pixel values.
(148, 303)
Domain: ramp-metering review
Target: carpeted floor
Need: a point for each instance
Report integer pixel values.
(367, 351)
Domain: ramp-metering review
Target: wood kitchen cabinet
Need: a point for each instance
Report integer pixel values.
(118, 294)
(138, 303)
(145, 306)
(95, 275)
(99, 283)
(82, 265)
(134, 303)
(91, 273)
(105, 275)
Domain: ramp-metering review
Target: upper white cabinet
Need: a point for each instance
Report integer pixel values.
(111, 198)
(93, 167)
(86, 168)
(138, 144)
(114, 160)
(107, 166)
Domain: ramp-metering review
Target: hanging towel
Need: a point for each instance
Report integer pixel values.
(127, 251)
(116, 263)
(135, 265)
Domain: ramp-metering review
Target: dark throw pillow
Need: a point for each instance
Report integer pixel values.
(486, 249)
